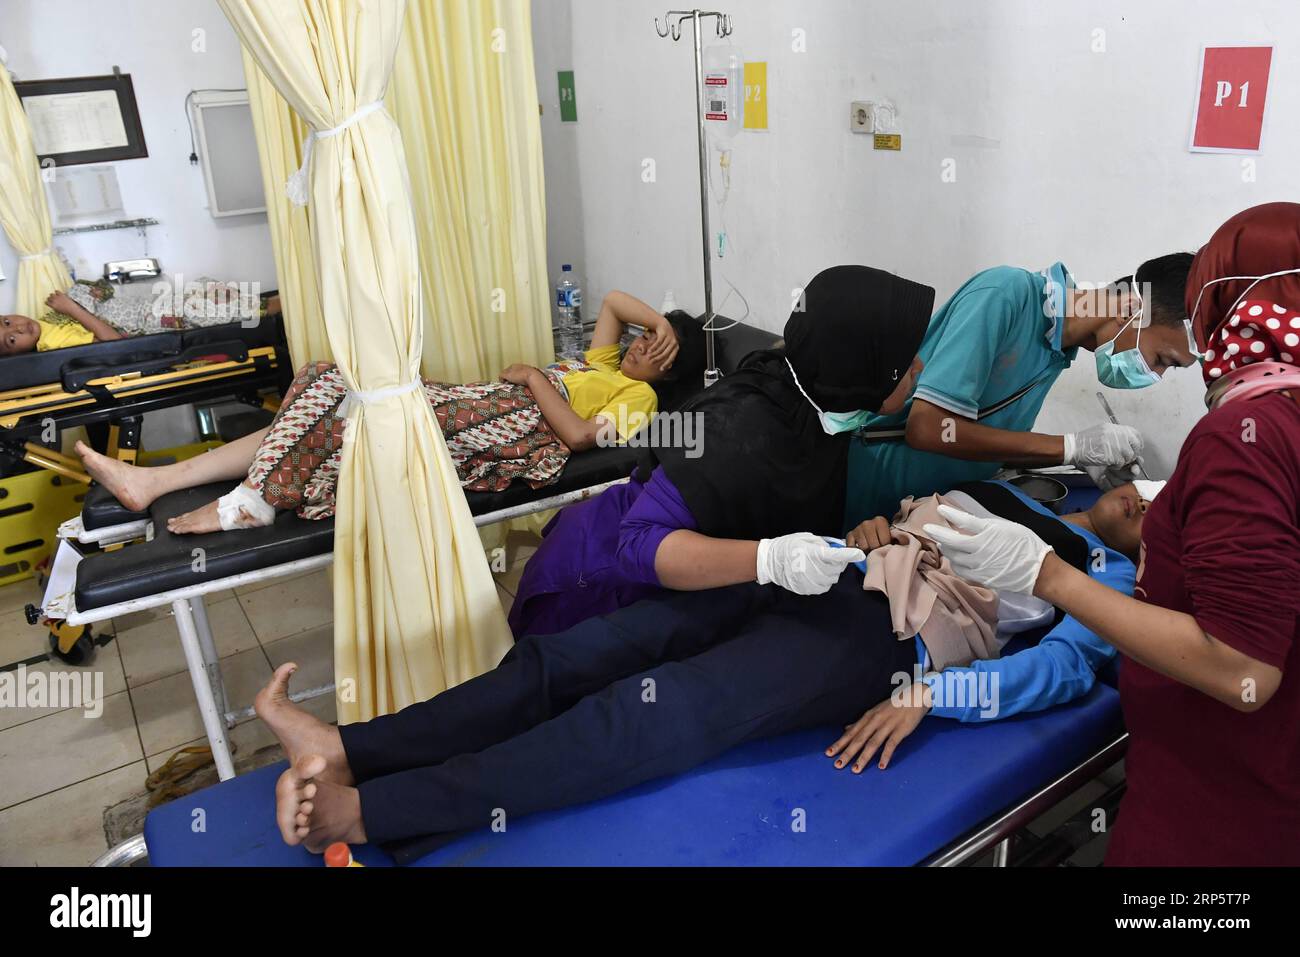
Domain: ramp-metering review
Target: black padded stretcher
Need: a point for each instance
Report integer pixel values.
(114, 384)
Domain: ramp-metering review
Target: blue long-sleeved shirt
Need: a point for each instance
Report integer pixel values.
(1061, 667)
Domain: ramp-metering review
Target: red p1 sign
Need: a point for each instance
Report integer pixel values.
(1230, 103)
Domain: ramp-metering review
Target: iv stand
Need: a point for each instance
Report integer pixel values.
(722, 28)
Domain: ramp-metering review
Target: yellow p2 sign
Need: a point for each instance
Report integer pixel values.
(756, 96)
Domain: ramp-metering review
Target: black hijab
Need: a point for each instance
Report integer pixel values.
(765, 467)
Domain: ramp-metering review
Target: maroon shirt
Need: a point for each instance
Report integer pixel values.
(1207, 784)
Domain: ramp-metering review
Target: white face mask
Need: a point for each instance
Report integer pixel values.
(833, 423)
(1257, 280)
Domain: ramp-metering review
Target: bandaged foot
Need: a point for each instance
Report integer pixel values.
(315, 812)
(242, 507)
(301, 733)
(130, 485)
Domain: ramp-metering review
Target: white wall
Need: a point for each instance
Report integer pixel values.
(1061, 152)
(153, 41)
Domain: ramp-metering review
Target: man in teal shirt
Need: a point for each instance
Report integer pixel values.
(991, 354)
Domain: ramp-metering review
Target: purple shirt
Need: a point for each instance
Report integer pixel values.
(598, 556)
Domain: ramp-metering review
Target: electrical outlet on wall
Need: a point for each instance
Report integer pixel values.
(862, 117)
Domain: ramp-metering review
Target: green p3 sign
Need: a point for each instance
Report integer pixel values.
(568, 101)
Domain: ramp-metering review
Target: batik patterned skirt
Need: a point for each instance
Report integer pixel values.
(494, 431)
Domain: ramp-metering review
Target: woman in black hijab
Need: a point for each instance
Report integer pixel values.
(752, 497)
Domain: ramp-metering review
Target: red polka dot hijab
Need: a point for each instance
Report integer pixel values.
(1243, 297)
(1257, 351)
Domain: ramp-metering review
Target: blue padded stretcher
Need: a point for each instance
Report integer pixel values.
(946, 780)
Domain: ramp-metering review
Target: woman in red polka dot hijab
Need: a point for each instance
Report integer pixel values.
(1210, 678)
(1243, 297)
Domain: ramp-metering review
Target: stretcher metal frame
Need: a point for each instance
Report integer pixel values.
(997, 831)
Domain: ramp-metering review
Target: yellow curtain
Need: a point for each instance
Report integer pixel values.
(415, 607)
(281, 134)
(464, 94)
(23, 213)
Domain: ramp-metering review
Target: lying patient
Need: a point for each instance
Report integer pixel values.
(661, 686)
(522, 427)
(93, 312)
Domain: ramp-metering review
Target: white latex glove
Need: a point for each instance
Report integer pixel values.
(803, 563)
(1107, 477)
(990, 551)
(1104, 444)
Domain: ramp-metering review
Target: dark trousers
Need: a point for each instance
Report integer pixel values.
(650, 690)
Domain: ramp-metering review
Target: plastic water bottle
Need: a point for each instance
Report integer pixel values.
(568, 306)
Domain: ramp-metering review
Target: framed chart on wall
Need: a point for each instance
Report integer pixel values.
(84, 119)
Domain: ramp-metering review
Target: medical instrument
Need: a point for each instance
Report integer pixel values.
(722, 28)
(1110, 414)
(724, 85)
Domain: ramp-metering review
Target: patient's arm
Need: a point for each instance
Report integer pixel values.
(1061, 668)
(573, 430)
(620, 310)
(62, 302)
(931, 428)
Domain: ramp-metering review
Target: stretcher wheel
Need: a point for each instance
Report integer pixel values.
(70, 647)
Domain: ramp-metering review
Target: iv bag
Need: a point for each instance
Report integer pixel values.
(724, 90)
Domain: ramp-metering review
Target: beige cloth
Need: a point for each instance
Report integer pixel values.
(957, 621)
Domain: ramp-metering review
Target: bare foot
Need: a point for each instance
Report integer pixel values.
(293, 796)
(332, 813)
(130, 485)
(197, 522)
(301, 733)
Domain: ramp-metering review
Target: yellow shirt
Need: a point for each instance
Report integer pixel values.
(605, 391)
(61, 335)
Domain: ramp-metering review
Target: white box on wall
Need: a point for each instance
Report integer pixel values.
(227, 149)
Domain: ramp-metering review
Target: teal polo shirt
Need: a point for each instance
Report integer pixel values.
(997, 334)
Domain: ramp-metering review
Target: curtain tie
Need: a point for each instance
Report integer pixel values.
(375, 395)
(296, 186)
(40, 255)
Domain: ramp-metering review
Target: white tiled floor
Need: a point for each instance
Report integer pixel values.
(59, 770)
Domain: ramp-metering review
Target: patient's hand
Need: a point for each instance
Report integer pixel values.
(517, 374)
(872, 533)
(61, 302)
(882, 728)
